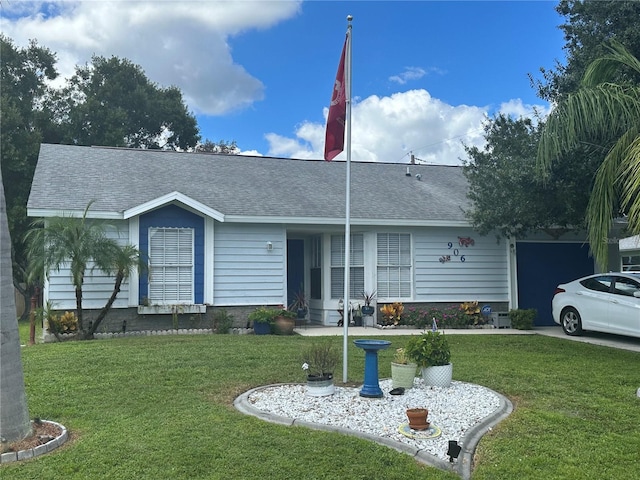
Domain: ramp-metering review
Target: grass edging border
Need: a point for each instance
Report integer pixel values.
(463, 466)
(9, 457)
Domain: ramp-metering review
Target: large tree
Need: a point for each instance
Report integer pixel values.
(112, 102)
(223, 147)
(82, 245)
(604, 113)
(23, 76)
(589, 24)
(564, 196)
(506, 191)
(14, 412)
(108, 102)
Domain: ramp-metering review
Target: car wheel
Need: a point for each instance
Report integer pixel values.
(571, 322)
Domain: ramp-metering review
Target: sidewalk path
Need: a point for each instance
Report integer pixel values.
(595, 338)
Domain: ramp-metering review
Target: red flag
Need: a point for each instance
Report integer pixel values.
(334, 138)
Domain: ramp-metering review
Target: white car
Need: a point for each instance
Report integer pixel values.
(605, 302)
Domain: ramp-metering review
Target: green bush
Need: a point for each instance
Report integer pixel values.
(65, 323)
(222, 321)
(430, 349)
(522, 319)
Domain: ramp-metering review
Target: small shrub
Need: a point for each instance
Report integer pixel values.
(401, 357)
(65, 323)
(269, 314)
(392, 313)
(430, 349)
(522, 319)
(417, 317)
(222, 321)
(451, 317)
(320, 360)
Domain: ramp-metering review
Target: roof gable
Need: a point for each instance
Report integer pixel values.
(173, 197)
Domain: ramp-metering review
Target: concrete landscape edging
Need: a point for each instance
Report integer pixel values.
(462, 465)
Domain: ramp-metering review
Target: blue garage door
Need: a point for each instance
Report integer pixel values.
(542, 266)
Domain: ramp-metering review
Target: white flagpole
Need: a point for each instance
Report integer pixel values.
(346, 312)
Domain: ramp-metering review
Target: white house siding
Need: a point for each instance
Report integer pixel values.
(97, 285)
(245, 271)
(483, 275)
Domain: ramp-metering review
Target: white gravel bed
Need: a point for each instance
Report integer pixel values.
(454, 409)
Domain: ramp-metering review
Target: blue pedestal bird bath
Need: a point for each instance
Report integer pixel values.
(371, 387)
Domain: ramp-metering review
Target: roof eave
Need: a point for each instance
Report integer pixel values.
(340, 221)
(56, 212)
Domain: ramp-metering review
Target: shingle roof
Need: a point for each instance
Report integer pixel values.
(68, 177)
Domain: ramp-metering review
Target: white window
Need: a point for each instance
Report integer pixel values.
(171, 266)
(356, 273)
(394, 265)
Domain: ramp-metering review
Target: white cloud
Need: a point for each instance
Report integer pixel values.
(388, 129)
(410, 73)
(515, 108)
(175, 43)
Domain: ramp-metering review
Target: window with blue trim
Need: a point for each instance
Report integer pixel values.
(171, 266)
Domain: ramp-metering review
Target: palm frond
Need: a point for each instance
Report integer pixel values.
(607, 69)
(601, 113)
(630, 180)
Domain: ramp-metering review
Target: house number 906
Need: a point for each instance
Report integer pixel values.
(456, 252)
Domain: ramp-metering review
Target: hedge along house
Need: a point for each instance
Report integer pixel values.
(238, 232)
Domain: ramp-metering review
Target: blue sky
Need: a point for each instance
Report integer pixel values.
(425, 73)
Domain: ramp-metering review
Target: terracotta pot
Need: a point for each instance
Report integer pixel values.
(284, 325)
(418, 418)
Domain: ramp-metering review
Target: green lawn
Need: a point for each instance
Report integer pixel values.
(161, 408)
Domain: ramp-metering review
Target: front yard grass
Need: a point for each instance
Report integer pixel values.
(161, 408)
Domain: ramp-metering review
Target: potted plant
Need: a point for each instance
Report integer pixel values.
(418, 418)
(368, 309)
(262, 318)
(299, 304)
(431, 352)
(403, 370)
(284, 322)
(319, 362)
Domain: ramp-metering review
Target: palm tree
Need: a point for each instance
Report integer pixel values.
(14, 412)
(126, 259)
(604, 113)
(79, 243)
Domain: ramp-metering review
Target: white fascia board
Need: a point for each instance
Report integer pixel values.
(171, 198)
(340, 221)
(46, 212)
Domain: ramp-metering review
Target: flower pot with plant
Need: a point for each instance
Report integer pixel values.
(262, 318)
(403, 370)
(368, 309)
(431, 352)
(284, 322)
(299, 304)
(319, 361)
